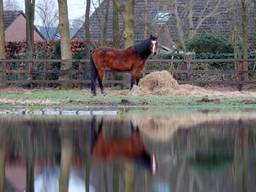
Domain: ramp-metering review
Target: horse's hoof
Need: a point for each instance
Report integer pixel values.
(93, 94)
(104, 94)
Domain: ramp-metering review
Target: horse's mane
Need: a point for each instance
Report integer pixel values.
(143, 49)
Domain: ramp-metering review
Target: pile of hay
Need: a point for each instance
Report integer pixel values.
(162, 83)
(163, 127)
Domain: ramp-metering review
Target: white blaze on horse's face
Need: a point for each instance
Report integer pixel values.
(153, 47)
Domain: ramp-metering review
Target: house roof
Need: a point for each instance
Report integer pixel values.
(10, 16)
(97, 19)
(156, 13)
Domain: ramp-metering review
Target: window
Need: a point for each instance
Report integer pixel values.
(162, 17)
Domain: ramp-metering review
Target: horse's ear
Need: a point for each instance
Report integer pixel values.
(153, 37)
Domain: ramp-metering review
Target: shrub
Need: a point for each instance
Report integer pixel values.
(209, 43)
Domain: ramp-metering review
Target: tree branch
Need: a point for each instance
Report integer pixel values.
(211, 14)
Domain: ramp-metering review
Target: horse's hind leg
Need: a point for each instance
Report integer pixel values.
(93, 85)
(137, 81)
(101, 86)
(94, 75)
(136, 75)
(100, 79)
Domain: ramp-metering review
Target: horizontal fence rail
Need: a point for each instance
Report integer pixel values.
(48, 72)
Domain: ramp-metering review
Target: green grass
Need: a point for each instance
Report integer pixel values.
(75, 99)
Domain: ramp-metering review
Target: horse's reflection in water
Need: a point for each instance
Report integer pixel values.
(130, 149)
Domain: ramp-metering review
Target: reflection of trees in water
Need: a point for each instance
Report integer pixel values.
(2, 158)
(240, 166)
(66, 135)
(30, 158)
(196, 158)
(206, 161)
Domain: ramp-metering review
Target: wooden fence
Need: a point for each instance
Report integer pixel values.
(45, 72)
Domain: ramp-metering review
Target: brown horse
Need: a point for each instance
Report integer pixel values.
(130, 149)
(131, 59)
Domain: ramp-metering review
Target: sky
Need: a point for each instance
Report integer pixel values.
(76, 8)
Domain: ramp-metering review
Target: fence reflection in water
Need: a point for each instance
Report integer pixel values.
(129, 153)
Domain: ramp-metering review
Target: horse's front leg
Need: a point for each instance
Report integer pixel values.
(135, 77)
(132, 81)
(137, 80)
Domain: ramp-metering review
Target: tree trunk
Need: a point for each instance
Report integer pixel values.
(2, 46)
(116, 35)
(127, 9)
(66, 53)
(236, 40)
(192, 31)
(87, 28)
(105, 24)
(179, 25)
(146, 19)
(129, 23)
(30, 10)
(245, 45)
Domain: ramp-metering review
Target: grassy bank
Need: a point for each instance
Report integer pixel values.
(76, 99)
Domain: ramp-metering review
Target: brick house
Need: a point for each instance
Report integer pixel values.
(15, 27)
(159, 14)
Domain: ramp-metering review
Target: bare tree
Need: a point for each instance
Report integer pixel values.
(245, 44)
(66, 53)
(87, 27)
(127, 10)
(30, 13)
(240, 37)
(212, 8)
(185, 13)
(146, 19)
(2, 44)
(105, 25)
(48, 17)
(180, 26)
(11, 5)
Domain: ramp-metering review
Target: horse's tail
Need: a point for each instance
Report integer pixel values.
(93, 74)
(93, 68)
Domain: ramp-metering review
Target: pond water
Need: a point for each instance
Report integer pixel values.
(142, 151)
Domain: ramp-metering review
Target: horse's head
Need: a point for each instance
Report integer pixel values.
(153, 44)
